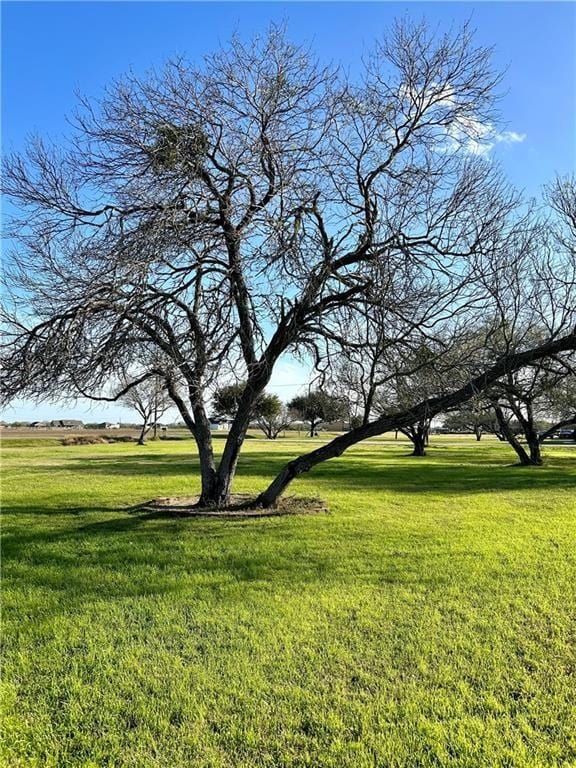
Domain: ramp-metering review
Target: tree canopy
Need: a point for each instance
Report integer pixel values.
(318, 406)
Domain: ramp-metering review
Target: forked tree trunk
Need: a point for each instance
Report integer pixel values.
(478, 433)
(418, 436)
(219, 489)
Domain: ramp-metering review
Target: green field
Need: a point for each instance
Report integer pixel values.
(428, 620)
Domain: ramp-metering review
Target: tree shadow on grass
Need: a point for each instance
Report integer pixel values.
(84, 554)
(459, 471)
(125, 559)
(422, 476)
(74, 563)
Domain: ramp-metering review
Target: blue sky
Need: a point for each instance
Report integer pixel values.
(51, 50)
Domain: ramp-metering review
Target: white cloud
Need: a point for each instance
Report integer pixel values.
(465, 132)
(476, 137)
(510, 137)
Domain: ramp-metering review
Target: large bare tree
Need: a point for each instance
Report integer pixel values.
(229, 214)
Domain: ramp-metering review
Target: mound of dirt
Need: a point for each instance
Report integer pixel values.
(96, 440)
(82, 440)
(241, 505)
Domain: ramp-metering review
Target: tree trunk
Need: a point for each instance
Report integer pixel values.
(534, 446)
(531, 434)
(526, 421)
(417, 435)
(419, 447)
(144, 430)
(207, 476)
(198, 424)
(478, 433)
(203, 436)
(227, 467)
(419, 442)
(511, 437)
(368, 405)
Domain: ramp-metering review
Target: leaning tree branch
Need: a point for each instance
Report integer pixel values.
(427, 408)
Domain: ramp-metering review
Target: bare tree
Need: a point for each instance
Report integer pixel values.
(230, 214)
(526, 395)
(150, 400)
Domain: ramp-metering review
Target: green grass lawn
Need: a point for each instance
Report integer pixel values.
(427, 620)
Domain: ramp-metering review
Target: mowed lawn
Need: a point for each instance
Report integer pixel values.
(427, 620)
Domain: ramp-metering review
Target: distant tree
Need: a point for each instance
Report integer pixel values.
(226, 400)
(476, 417)
(272, 417)
(528, 396)
(317, 407)
(416, 376)
(150, 400)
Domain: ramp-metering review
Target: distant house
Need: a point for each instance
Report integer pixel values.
(105, 425)
(217, 425)
(67, 424)
(335, 426)
(40, 424)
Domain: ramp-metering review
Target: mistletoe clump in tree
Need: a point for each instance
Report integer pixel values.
(223, 216)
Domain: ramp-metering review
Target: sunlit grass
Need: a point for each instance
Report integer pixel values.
(428, 620)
